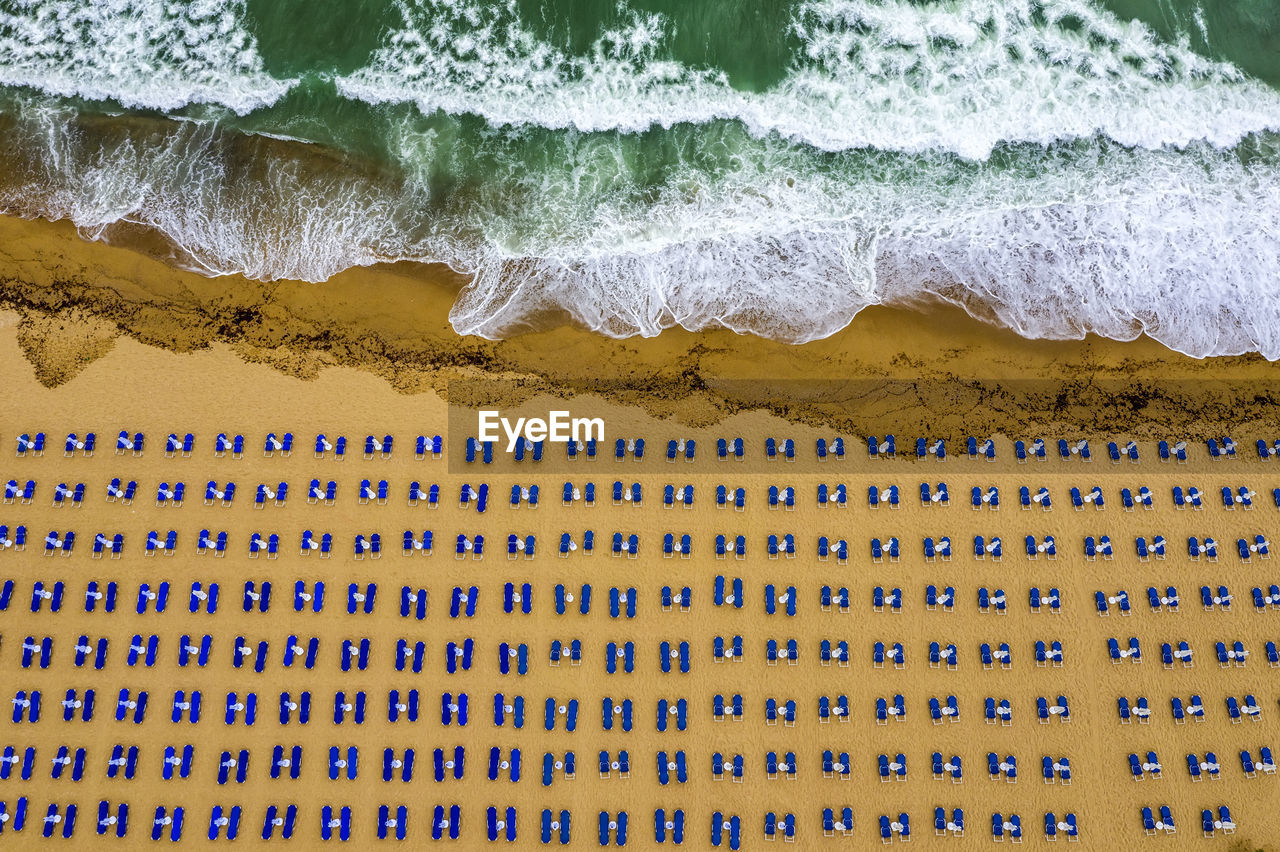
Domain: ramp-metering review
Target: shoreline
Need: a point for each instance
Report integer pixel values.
(933, 370)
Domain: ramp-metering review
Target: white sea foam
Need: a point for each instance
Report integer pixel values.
(785, 243)
(960, 76)
(151, 54)
(267, 217)
(1181, 247)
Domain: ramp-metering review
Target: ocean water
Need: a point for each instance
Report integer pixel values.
(1058, 167)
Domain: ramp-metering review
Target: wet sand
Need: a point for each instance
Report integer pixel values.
(210, 388)
(932, 371)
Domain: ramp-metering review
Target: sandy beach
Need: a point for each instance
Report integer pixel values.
(105, 338)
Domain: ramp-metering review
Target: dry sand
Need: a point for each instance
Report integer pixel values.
(209, 389)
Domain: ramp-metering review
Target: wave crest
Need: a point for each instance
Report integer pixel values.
(896, 75)
(146, 54)
(965, 76)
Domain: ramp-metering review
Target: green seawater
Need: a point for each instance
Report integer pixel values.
(1244, 33)
(772, 166)
(753, 44)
